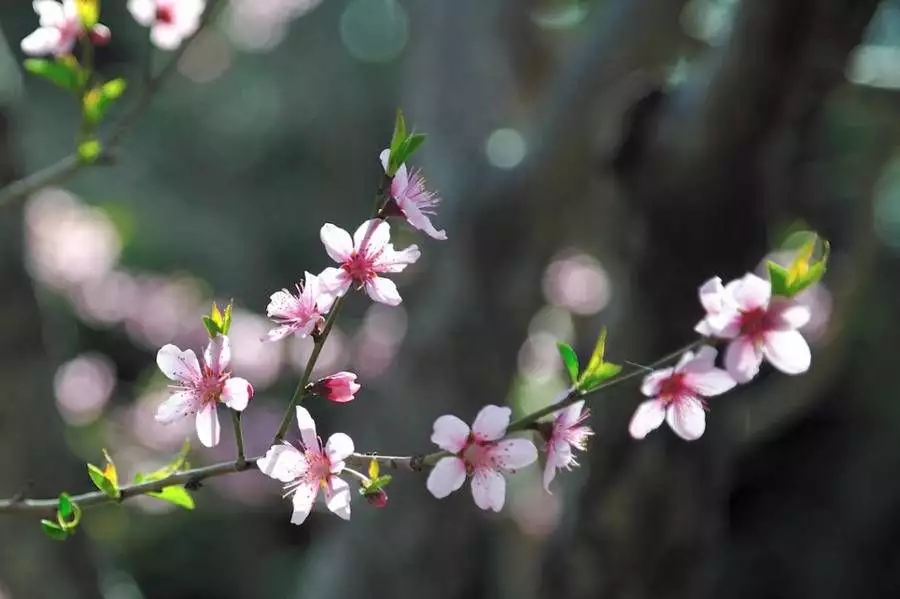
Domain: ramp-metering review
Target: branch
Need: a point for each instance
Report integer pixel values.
(69, 165)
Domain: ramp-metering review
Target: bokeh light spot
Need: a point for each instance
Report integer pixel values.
(505, 148)
(374, 30)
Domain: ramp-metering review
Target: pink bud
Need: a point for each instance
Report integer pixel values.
(378, 498)
(340, 387)
(100, 35)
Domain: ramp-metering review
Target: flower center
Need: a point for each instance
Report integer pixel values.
(319, 467)
(210, 387)
(755, 322)
(672, 388)
(359, 267)
(476, 455)
(164, 14)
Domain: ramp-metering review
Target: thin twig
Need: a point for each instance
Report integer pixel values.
(238, 436)
(67, 166)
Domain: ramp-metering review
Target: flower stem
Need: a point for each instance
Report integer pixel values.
(238, 436)
(318, 343)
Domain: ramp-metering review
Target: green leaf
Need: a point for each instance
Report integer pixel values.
(226, 321)
(778, 277)
(88, 12)
(176, 494)
(570, 359)
(374, 469)
(169, 469)
(64, 72)
(68, 514)
(803, 270)
(89, 151)
(66, 509)
(211, 327)
(102, 482)
(409, 147)
(602, 373)
(97, 101)
(54, 531)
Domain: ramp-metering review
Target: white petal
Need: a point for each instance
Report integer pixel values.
(686, 358)
(283, 462)
(648, 416)
(400, 182)
(337, 497)
(337, 242)
(790, 314)
(311, 287)
(208, 429)
(491, 422)
(512, 454)
(383, 291)
(706, 356)
(753, 292)
(166, 36)
(687, 418)
(711, 295)
(447, 476)
(46, 40)
(709, 382)
(303, 498)
(178, 365)
(374, 234)
(488, 489)
(236, 393)
(218, 353)
(391, 260)
(334, 282)
(652, 382)
(384, 157)
(450, 433)
(278, 333)
(50, 12)
(338, 448)
(549, 469)
(787, 351)
(143, 11)
(179, 405)
(307, 429)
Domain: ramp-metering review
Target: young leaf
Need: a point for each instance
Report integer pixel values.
(226, 320)
(102, 481)
(409, 147)
(602, 373)
(374, 469)
(176, 494)
(216, 315)
(110, 470)
(68, 514)
(89, 151)
(66, 511)
(211, 327)
(570, 359)
(97, 101)
(803, 270)
(88, 12)
(54, 531)
(64, 73)
(778, 277)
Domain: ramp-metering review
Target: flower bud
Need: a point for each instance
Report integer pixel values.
(377, 498)
(340, 387)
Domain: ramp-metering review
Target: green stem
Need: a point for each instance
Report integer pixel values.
(87, 60)
(318, 344)
(238, 436)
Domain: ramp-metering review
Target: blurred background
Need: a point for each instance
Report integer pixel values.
(597, 160)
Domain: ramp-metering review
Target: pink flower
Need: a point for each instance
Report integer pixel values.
(60, 27)
(362, 259)
(312, 466)
(481, 453)
(340, 387)
(199, 390)
(567, 432)
(678, 395)
(759, 325)
(170, 21)
(300, 313)
(411, 198)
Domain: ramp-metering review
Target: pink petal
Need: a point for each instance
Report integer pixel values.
(488, 489)
(569, 416)
(337, 497)
(420, 221)
(372, 235)
(447, 476)
(706, 356)
(303, 499)
(687, 418)
(790, 314)
(281, 303)
(179, 405)
(512, 454)
(338, 448)
(307, 429)
(652, 382)
(450, 433)
(42, 41)
(311, 287)
(178, 365)
(711, 295)
(283, 462)
(165, 36)
(236, 393)
(550, 469)
(491, 422)
(278, 333)
(337, 242)
(334, 282)
(648, 416)
(787, 351)
(685, 359)
(208, 429)
(753, 292)
(391, 260)
(742, 359)
(383, 291)
(400, 182)
(218, 353)
(710, 382)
